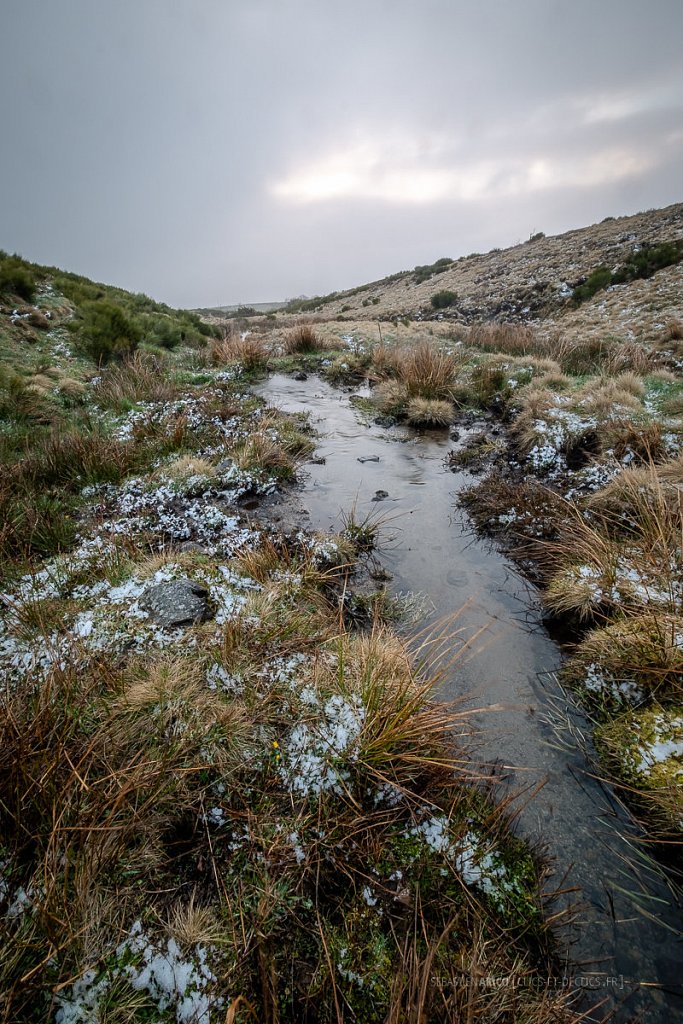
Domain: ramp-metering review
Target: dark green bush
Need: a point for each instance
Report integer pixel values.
(165, 333)
(647, 261)
(442, 299)
(425, 271)
(643, 263)
(595, 282)
(106, 333)
(17, 279)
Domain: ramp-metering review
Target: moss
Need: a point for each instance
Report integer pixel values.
(646, 745)
(347, 368)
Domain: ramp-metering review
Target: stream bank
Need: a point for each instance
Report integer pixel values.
(623, 939)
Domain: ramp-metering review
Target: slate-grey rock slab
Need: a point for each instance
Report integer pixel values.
(175, 603)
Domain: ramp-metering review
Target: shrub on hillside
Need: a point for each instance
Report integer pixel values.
(595, 282)
(17, 279)
(647, 260)
(423, 272)
(642, 263)
(443, 299)
(106, 332)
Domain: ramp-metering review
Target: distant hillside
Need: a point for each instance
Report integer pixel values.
(242, 309)
(100, 321)
(610, 267)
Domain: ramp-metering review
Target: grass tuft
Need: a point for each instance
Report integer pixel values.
(302, 340)
(429, 412)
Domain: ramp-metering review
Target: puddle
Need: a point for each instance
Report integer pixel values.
(623, 934)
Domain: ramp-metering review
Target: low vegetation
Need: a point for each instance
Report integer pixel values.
(302, 340)
(429, 270)
(221, 799)
(443, 299)
(640, 264)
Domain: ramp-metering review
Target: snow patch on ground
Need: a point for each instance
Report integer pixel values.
(172, 981)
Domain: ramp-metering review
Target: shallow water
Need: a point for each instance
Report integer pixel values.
(623, 932)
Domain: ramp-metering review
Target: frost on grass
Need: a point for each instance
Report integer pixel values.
(198, 412)
(325, 550)
(621, 583)
(182, 985)
(601, 683)
(110, 618)
(167, 515)
(316, 751)
(472, 856)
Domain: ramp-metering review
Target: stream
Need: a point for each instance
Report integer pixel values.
(624, 944)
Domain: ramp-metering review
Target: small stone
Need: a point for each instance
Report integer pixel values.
(455, 434)
(380, 495)
(301, 375)
(175, 603)
(368, 458)
(318, 460)
(225, 465)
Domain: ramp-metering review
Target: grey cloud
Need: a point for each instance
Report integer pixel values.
(146, 136)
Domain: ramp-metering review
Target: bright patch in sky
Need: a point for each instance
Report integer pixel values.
(376, 171)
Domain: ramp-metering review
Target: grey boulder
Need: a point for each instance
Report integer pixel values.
(175, 603)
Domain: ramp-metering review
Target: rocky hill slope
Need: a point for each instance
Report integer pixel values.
(541, 281)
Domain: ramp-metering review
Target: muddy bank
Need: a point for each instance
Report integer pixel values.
(621, 937)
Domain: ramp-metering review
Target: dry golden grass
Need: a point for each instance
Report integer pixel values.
(604, 398)
(250, 350)
(386, 360)
(192, 924)
(185, 467)
(427, 371)
(671, 471)
(73, 457)
(430, 412)
(261, 451)
(514, 339)
(626, 437)
(631, 382)
(534, 402)
(391, 396)
(674, 330)
(626, 558)
(302, 339)
(552, 380)
(644, 648)
(42, 383)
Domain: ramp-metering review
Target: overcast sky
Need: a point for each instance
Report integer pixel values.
(219, 151)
